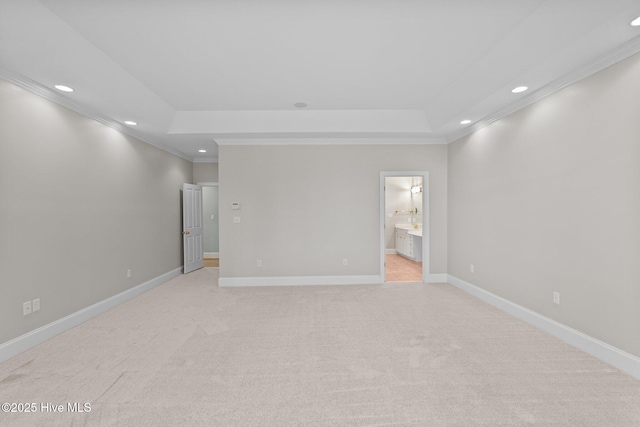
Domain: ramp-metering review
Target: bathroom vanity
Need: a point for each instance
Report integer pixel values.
(409, 241)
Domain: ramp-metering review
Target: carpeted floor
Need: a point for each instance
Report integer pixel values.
(188, 353)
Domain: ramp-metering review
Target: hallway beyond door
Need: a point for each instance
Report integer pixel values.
(212, 262)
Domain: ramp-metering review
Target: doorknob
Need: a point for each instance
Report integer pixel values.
(185, 232)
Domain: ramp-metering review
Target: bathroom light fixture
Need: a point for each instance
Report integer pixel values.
(202, 151)
(63, 88)
(416, 189)
(130, 123)
(300, 105)
(465, 122)
(520, 89)
(636, 22)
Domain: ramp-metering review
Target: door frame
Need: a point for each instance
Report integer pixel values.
(426, 235)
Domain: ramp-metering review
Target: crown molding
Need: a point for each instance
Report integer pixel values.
(49, 94)
(205, 160)
(590, 68)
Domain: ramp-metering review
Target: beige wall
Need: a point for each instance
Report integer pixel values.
(205, 172)
(548, 199)
(80, 203)
(305, 208)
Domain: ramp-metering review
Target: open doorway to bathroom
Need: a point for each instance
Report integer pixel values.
(405, 227)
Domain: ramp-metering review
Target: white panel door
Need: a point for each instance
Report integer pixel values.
(192, 227)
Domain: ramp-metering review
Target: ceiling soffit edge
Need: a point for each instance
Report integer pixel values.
(299, 123)
(342, 140)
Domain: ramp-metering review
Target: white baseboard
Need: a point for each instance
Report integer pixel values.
(391, 252)
(438, 278)
(614, 356)
(211, 255)
(228, 282)
(46, 332)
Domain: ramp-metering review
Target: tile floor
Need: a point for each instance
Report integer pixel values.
(401, 269)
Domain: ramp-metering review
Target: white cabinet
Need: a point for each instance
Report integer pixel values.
(416, 251)
(408, 245)
(404, 243)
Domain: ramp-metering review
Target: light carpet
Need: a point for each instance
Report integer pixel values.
(189, 353)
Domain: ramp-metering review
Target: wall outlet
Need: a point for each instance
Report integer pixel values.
(472, 268)
(26, 308)
(259, 263)
(35, 304)
(345, 261)
(556, 297)
(213, 217)
(128, 273)
(236, 220)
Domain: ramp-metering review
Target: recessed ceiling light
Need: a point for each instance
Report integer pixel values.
(519, 89)
(465, 122)
(64, 88)
(202, 151)
(636, 22)
(130, 123)
(300, 105)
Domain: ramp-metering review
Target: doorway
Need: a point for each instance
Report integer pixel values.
(404, 243)
(211, 229)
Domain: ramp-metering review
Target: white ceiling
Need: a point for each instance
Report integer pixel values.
(194, 71)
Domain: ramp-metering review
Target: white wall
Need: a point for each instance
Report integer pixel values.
(80, 203)
(205, 172)
(548, 199)
(397, 198)
(210, 229)
(306, 208)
